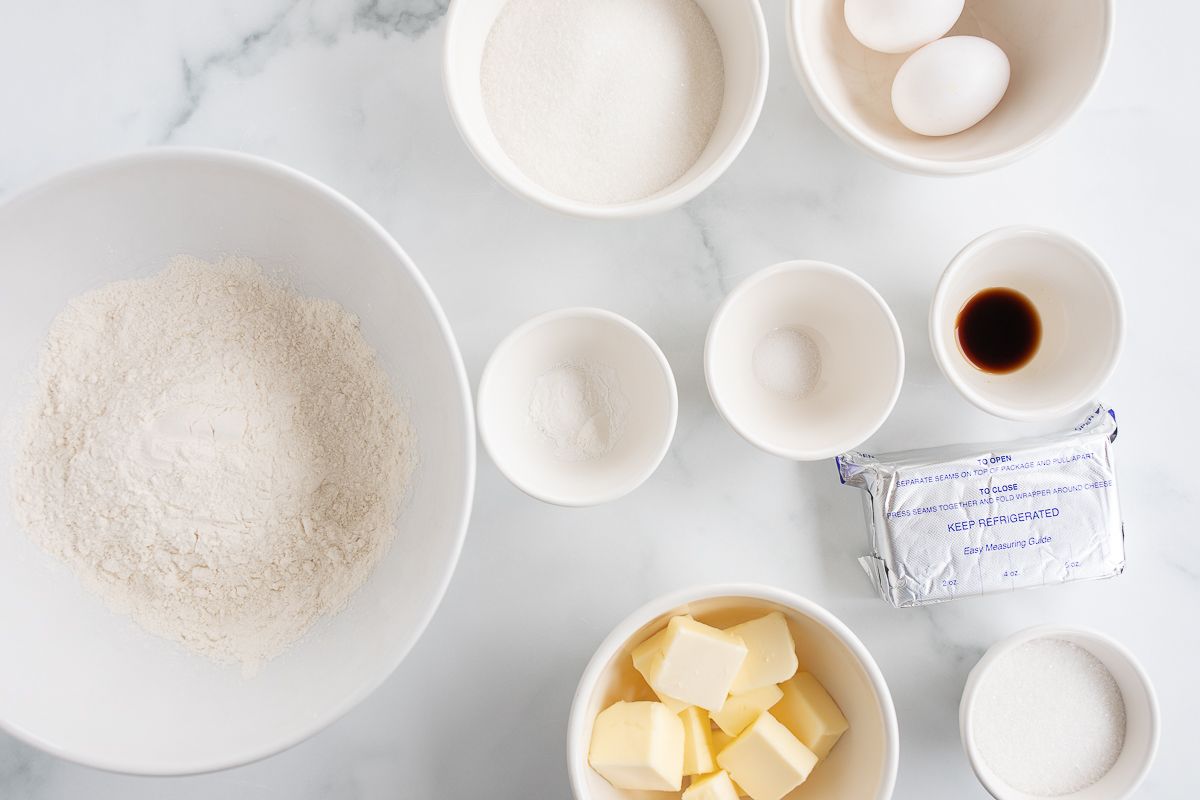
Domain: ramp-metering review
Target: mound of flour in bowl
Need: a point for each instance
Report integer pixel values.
(214, 454)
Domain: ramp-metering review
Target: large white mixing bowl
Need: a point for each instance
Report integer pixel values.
(87, 684)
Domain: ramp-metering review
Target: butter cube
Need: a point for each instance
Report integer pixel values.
(638, 746)
(767, 760)
(810, 714)
(698, 756)
(643, 655)
(676, 707)
(742, 709)
(772, 656)
(720, 741)
(716, 786)
(695, 663)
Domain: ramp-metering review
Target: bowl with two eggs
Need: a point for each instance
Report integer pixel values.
(947, 87)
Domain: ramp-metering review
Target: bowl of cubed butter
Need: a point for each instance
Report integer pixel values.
(721, 692)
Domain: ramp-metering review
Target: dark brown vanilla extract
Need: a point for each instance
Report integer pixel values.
(998, 330)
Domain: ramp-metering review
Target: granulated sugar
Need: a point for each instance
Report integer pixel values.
(1049, 718)
(787, 362)
(603, 101)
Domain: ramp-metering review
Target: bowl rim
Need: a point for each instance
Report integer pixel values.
(944, 351)
(636, 479)
(302, 182)
(516, 182)
(1005, 646)
(577, 722)
(803, 266)
(840, 124)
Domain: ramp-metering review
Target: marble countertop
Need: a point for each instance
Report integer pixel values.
(350, 92)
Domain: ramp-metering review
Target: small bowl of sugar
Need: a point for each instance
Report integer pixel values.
(577, 407)
(606, 110)
(804, 359)
(1059, 712)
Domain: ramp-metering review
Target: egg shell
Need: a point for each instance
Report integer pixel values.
(900, 26)
(949, 85)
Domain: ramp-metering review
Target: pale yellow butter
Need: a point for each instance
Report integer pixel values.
(673, 705)
(698, 756)
(772, 653)
(694, 663)
(717, 786)
(810, 714)
(767, 760)
(643, 656)
(721, 740)
(638, 746)
(742, 709)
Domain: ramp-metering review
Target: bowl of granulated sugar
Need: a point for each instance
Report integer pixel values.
(1059, 712)
(616, 109)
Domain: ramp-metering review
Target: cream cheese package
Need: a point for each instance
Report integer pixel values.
(960, 521)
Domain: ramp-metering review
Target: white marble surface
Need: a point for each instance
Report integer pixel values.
(351, 93)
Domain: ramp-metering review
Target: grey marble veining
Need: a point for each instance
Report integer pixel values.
(350, 92)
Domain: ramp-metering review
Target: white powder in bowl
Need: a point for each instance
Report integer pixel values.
(787, 362)
(1049, 718)
(214, 454)
(603, 101)
(580, 408)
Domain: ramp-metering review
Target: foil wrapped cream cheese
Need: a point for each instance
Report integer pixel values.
(961, 521)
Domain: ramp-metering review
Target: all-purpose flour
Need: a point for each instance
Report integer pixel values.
(214, 454)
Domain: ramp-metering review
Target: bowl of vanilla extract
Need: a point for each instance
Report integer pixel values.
(1027, 323)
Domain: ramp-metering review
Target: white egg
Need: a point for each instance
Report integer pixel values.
(900, 26)
(949, 85)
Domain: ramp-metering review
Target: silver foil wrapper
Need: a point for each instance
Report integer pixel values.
(961, 521)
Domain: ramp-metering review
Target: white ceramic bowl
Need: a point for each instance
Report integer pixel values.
(526, 456)
(1141, 714)
(1082, 316)
(742, 34)
(88, 685)
(1057, 52)
(863, 765)
(862, 359)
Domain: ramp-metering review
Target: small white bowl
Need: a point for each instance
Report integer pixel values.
(742, 34)
(526, 456)
(1057, 52)
(863, 765)
(1083, 322)
(862, 359)
(1141, 714)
